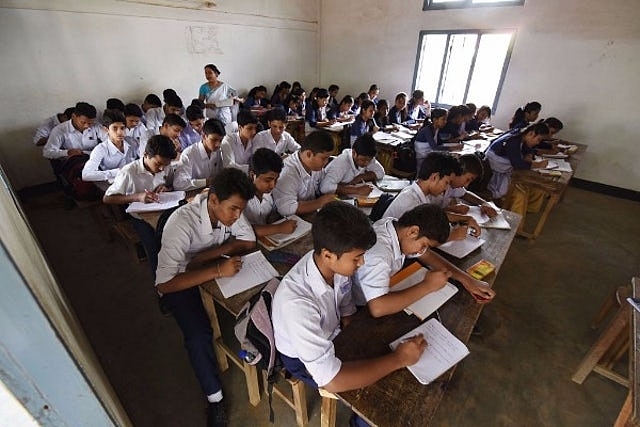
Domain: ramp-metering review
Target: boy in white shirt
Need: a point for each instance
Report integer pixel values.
(471, 169)
(202, 241)
(237, 147)
(45, 128)
(200, 162)
(74, 137)
(192, 133)
(109, 156)
(276, 138)
(352, 168)
(135, 128)
(155, 116)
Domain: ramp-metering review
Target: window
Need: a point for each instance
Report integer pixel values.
(460, 4)
(456, 67)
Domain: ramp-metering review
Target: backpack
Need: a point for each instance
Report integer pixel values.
(381, 206)
(254, 330)
(404, 158)
(71, 175)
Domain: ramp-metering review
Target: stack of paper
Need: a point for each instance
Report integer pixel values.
(166, 200)
(461, 248)
(484, 221)
(392, 183)
(255, 270)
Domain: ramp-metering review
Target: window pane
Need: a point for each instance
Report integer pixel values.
(487, 71)
(430, 64)
(456, 70)
(447, 1)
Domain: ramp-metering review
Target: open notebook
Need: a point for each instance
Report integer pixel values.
(499, 221)
(255, 270)
(167, 200)
(276, 241)
(461, 248)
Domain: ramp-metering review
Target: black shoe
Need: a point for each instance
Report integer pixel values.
(216, 416)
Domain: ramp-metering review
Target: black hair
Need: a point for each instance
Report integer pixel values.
(153, 99)
(265, 160)
(113, 116)
(537, 129)
(373, 87)
(256, 89)
(168, 93)
(115, 104)
(322, 93)
(455, 112)
(364, 96)
(160, 145)
(436, 113)
(281, 86)
(339, 228)
(484, 108)
(553, 122)
(173, 101)
(213, 126)
(296, 91)
(333, 87)
(382, 103)
(198, 103)
(174, 120)
(417, 94)
(133, 110)
(213, 68)
(246, 118)
(400, 95)
(472, 107)
(230, 181)
(366, 104)
(365, 145)
(194, 113)
(518, 116)
(296, 85)
(431, 220)
(319, 141)
(277, 114)
(470, 163)
(347, 99)
(85, 109)
(439, 162)
(68, 112)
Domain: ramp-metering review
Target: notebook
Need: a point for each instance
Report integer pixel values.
(461, 248)
(499, 221)
(167, 200)
(279, 240)
(255, 270)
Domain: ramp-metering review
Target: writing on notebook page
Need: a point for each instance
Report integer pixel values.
(255, 270)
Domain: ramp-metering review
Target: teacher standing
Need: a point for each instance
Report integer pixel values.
(218, 97)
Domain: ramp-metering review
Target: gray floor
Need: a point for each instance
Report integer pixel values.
(518, 374)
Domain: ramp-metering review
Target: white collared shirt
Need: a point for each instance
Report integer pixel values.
(381, 262)
(106, 160)
(452, 194)
(257, 211)
(45, 128)
(306, 317)
(140, 134)
(407, 199)
(285, 144)
(294, 184)
(235, 154)
(134, 178)
(343, 169)
(153, 120)
(196, 166)
(66, 137)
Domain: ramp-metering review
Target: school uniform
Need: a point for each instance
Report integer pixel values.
(285, 144)
(106, 160)
(427, 140)
(294, 184)
(140, 134)
(360, 127)
(407, 199)
(449, 131)
(258, 211)
(195, 166)
(45, 128)
(315, 115)
(381, 262)
(381, 120)
(235, 154)
(452, 194)
(399, 116)
(343, 169)
(251, 102)
(65, 137)
(415, 112)
(189, 231)
(153, 120)
(189, 136)
(306, 318)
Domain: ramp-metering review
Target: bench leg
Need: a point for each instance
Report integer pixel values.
(328, 412)
(209, 306)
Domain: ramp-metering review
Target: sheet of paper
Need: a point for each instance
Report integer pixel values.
(563, 166)
(443, 351)
(375, 192)
(461, 248)
(255, 270)
(392, 183)
(303, 228)
(168, 199)
(484, 221)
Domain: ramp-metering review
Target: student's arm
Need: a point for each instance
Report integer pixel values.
(124, 199)
(228, 156)
(42, 133)
(308, 206)
(285, 227)
(285, 195)
(52, 149)
(469, 221)
(195, 277)
(485, 207)
(91, 170)
(229, 248)
(478, 289)
(184, 179)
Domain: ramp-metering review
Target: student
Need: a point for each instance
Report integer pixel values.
(297, 189)
(256, 100)
(364, 123)
(264, 170)
(481, 119)
(192, 132)
(471, 124)
(352, 168)
(109, 156)
(276, 138)
(314, 301)
(218, 96)
(410, 236)
(319, 114)
(201, 162)
(333, 104)
(150, 101)
(280, 93)
(293, 110)
(523, 116)
(302, 101)
(172, 126)
(398, 113)
(237, 147)
(115, 104)
(45, 128)
(453, 130)
(202, 241)
(427, 139)
(135, 129)
(343, 112)
(418, 107)
(355, 109)
(514, 151)
(154, 117)
(382, 114)
(141, 181)
(549, 144)
(74, 137)
(373, 93)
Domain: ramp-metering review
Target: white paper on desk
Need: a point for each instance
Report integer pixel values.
(336, 127)
(402, 135)
(373, 194)
(461, 248)
(167, 200)
(429, 303)
(443, 351)
(563, 166)
(282, 239)
(255, 270)
(484, 221)
(391, 183)
(383, 137)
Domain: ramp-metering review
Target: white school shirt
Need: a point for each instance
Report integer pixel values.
(45, 128)
(257, 211)
(235, 154)
(140, 134)
(65, 137)
(286, 143)
(134, 178)
(189, 231)
(306, 317)
(294, 184)
(106, 160)
(407, 199)
(381, 262)
(343, 169)
(195, 166)
(153, 120)
(452, 194)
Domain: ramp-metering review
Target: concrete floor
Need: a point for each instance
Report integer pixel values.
(518, 374)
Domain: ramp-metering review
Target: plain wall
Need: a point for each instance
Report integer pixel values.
(579, 58)
(55, 53)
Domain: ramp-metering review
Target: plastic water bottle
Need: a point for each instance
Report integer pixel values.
(247, 356)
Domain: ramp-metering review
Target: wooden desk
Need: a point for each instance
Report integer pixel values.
(399, 399)
(554, 187)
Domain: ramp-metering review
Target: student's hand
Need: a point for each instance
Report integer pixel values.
(540, 165)
(488, 211)
(459, 233)
(460, 208)
(74, 152)
(475, 228)
(229, 267)
(409, 351)
(162, 188)
(326, 198)
(436, 279)
(148, 197)
(362, 190)
(288, 226)
(480, 291)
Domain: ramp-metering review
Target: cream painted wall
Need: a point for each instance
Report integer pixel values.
(57, 52)
(579, 58)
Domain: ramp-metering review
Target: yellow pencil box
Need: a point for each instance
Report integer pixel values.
(481, 269)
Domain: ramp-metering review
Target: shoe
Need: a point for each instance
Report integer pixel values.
(216, 416)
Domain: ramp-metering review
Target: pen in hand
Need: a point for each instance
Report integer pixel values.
(152, 196)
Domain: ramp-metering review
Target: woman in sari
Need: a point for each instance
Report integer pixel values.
(218, 97)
